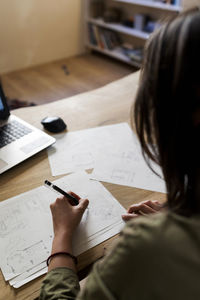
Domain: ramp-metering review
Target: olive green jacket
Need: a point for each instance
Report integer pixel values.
(156, 257)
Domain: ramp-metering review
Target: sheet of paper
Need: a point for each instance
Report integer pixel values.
(128, 168)
(30, 278)
(25, 232)
(20, 278)
(74, 151)
(25, 243)
(41, 269)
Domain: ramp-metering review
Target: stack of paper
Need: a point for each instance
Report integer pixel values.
(74, 151)
(129, 169)
(114, 153)
(26, 230)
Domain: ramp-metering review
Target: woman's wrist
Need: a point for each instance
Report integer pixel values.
(62, 242)
(64, 234)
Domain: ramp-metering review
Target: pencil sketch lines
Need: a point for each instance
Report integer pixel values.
(26, 257)
(10, 220)
(122, 175)
(103, 213)
(82, 159)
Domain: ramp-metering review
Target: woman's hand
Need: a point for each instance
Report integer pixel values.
(66, 217)
(142, 208)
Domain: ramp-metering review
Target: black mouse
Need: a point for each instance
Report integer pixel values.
(54, 124)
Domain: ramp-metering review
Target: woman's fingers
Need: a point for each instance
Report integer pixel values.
(144, 208)
(127, 217)
(155, 205)
(74, 195)
(83, 204)
(66, 217)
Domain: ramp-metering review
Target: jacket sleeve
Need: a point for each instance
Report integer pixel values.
(123, 272)
(112, 278)
(60, 284)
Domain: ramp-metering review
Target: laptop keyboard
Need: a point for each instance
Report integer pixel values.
(12, 132)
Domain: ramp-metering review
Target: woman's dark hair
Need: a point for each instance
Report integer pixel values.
(166, 101)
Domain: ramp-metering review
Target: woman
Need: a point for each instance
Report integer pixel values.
(156, 257)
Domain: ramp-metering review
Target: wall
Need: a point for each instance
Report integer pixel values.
(190, 3)
(38, 31)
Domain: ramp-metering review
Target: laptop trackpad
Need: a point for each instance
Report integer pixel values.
(3, 163)
(34, 145)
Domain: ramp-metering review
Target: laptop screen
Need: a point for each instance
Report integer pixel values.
(1, 105)
(4, 110)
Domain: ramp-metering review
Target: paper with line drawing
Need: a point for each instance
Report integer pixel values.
(127, 167)
(120, 171)
(114, 153)
(74, 151)
(26, 230)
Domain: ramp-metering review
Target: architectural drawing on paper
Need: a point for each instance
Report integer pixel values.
(83, 159)
(120, 174)
(25, 257)
(26, 243)
(11, 220)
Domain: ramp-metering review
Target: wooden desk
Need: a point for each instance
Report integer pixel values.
(108, 105)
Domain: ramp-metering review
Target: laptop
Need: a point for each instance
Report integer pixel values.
(18, 139)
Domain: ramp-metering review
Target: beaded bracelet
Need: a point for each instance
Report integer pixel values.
(62, 253)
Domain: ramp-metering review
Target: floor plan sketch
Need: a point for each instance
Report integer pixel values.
(11, 220)
(75, 151)
(22, 258)
(26, 229)
(129, 169)
(83, 160)
(122, 175)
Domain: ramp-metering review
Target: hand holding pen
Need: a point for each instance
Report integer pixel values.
(66, 214)
(72, 197)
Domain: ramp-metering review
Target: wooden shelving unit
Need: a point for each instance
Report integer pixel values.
(120, 28)
(115, 54)
(126, 33)
(153, 4)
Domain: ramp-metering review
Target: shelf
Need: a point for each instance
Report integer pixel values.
(115, 54)
(153, 4)
(136, 38)
(120, 28)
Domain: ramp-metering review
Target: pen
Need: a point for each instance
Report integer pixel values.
(59, 190)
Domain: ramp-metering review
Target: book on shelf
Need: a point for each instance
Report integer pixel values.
(106, 39)
(134, 54)
(103, 38)
(172, 2)
(139, 21)
(91, 35)
(97, 33)
(145, 23)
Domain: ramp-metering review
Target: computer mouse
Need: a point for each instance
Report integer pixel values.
(54, 124)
